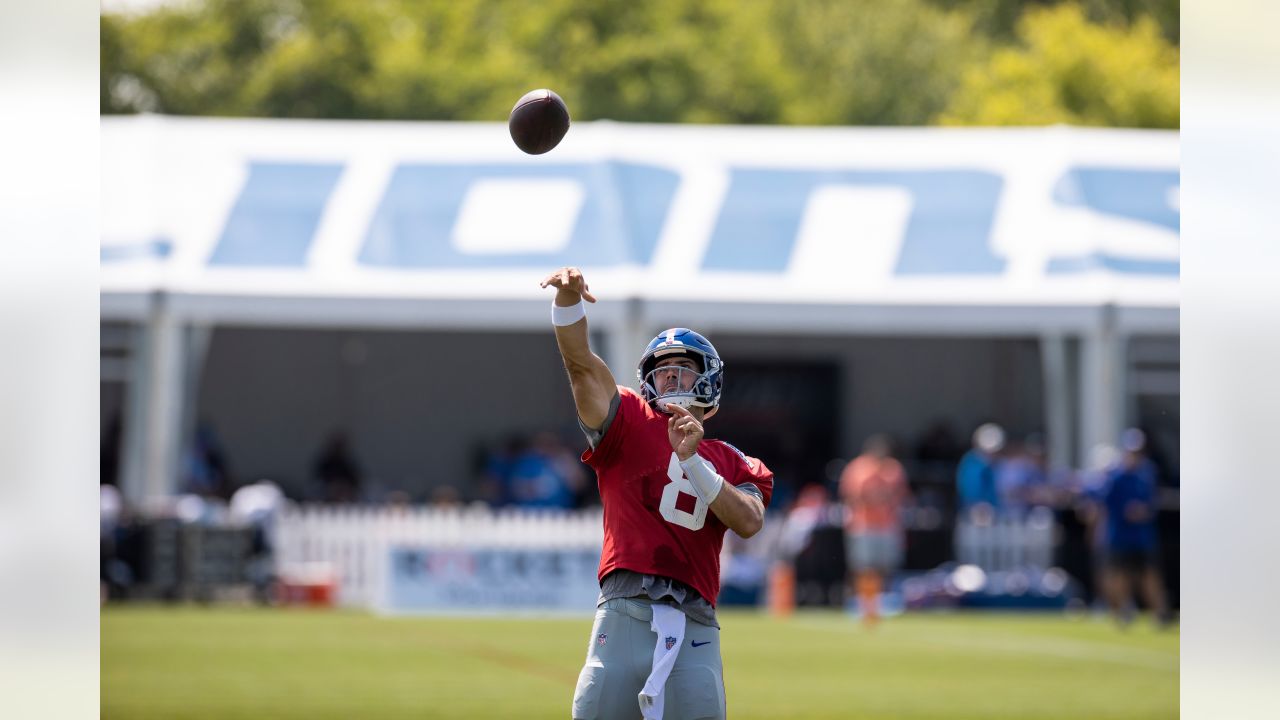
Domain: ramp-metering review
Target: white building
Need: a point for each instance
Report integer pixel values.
(284, 278)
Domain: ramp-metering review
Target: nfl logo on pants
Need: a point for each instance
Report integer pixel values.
(670, 642)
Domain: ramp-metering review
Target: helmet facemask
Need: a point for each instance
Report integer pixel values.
(679, 385)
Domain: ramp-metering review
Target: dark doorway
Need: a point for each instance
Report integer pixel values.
(787, 414)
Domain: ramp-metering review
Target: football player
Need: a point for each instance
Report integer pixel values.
(669, 494)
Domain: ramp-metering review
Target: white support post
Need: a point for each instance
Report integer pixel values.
(1102, 392)
(1057, 399)
(135, 404)
(195, 338)
(155, 409)
(625, 340)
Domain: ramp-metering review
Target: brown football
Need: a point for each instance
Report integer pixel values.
(538, 121)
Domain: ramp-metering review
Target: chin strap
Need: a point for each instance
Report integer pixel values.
(683, 401)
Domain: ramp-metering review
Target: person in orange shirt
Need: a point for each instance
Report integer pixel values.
(874, 489)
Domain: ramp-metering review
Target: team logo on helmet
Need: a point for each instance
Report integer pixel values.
(707, 383)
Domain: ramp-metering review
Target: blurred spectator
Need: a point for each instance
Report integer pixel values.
(337, 471)
(976, 475)
(874, 490)
(399, 502)
(1022, 478)
(1128, 500)
(546, 475)
(205, 468)
(933, 466)
(803, 516)
(1091, 483)
(111, 509)
(446, 496)
(258, 505)
(495, 475)
(811, 540)
(1075, 517)
(114, 574)
(744, 565)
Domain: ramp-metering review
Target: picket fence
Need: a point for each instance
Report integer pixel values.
(352, 543)
(1008, 543)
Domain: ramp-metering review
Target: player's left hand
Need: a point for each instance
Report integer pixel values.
(684, 431)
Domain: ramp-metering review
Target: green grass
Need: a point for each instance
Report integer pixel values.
(255, 663)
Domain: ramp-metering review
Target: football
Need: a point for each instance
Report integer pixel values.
(539, 121)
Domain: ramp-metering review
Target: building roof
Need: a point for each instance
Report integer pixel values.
(760, 228)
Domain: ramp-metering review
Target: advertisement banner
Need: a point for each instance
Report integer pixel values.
(491, 580)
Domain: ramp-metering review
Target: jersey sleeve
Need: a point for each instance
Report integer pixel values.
(630, 411)
(752, 472)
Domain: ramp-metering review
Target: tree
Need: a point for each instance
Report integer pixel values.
(999, 18)
(871, 62)
(818, 62)
(1068, 70)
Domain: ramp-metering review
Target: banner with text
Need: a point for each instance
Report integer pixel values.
(490, 580)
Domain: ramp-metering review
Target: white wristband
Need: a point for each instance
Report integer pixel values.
(703, 476)
(562, 316)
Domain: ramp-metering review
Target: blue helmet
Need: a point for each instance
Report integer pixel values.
(706, 388)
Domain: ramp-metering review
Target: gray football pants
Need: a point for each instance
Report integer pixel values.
(616, 669)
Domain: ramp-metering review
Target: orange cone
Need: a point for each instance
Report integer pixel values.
(782, 589)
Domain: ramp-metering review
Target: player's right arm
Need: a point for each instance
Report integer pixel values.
(592, 382)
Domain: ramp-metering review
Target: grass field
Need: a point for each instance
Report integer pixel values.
(258, 663)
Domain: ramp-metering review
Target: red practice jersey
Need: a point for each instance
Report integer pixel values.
(654, 523)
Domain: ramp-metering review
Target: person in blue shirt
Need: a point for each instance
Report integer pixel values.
(976, 475)
(1127, 498)
(544, 475)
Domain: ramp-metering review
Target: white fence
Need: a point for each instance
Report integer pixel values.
(1007, 543)
(355, 541)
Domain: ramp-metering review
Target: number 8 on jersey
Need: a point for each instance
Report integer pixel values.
(670, 504)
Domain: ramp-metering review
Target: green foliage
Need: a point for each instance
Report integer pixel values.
(999, 18)
(871, 62)
(1068, 70)
(849, 62)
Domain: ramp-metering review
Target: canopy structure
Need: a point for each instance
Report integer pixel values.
(1050, 232)
(370, 222)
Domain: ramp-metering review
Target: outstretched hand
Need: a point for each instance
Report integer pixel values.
(684, 431)
(569, 280)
